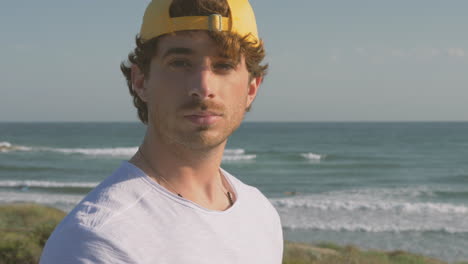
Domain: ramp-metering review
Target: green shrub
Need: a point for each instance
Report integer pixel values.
(330, 246)
(42, 232)
(18, 249)
(24, 230)
(328, 253)
(296, 253)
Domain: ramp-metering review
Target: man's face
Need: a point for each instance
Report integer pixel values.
(195, 97)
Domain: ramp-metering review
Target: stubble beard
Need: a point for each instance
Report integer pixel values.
(206, 138)
(202, 138)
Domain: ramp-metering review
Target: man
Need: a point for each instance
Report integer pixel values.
(193, 75)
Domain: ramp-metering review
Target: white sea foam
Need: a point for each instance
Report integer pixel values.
(229, 154)
(239, 157)
(234, 151)
(62, 201)
(112, 152)
(350, 205)
(48, 184)
(125, 152)
(235, 155)
(312, 156)
(387, 193)
(7, 146)
(371, 210)
(4, 144)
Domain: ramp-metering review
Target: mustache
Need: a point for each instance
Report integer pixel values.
(194, 105)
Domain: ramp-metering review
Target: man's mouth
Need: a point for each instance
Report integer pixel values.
(203, 118)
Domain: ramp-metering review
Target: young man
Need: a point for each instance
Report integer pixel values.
(193, 75)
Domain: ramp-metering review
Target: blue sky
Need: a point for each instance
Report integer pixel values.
(362, 60)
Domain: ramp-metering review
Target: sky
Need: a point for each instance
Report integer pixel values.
(360, 60)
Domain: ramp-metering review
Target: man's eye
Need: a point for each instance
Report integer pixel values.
(179, 64)
(224, 66)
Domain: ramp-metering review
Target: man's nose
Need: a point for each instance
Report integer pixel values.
(202, 84)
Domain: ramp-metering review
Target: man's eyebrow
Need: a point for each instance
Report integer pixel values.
(183, 51)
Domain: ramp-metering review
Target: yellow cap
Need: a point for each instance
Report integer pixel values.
(157, 21)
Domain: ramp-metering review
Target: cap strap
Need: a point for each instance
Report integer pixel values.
(214, 22)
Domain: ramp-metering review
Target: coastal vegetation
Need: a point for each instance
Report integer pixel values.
(328, 253)
(24, 229)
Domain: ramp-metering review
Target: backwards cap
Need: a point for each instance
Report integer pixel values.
(157, 21)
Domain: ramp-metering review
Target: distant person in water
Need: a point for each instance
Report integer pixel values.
(193, 75)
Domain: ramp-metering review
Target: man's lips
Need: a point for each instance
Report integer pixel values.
(203, 117)
(203, 113)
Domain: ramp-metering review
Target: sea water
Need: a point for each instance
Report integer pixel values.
(389, 186)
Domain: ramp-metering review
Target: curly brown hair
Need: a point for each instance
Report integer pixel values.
(231, 44)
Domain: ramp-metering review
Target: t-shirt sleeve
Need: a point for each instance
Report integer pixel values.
(79, 245)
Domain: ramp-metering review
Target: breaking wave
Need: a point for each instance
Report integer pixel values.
(372, 210)
(233, 155)
(123, 152)
(312, 156)
(62, 201)
(111, 152)
(47, 184)
(7, 147)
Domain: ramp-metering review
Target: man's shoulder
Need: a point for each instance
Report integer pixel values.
(77, 243)
(97, 224)
(112, 196)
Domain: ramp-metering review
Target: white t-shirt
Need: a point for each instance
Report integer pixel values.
(130, 218)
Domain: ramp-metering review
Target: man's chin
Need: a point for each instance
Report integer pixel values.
(203, 128)
(203, 145)
(203, 139)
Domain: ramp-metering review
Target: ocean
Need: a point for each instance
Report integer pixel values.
(388, 186)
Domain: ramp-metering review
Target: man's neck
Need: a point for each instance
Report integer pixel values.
(194, 174)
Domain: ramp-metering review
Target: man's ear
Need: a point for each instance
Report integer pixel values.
(253, 89)
(138, 83)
